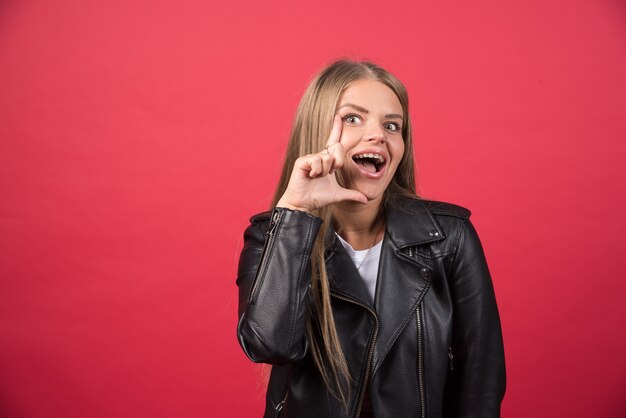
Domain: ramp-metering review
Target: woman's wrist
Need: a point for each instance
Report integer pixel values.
(282, 203)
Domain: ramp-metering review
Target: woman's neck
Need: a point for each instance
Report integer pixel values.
(358, 224)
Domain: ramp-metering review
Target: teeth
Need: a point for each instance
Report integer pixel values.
(379, 157)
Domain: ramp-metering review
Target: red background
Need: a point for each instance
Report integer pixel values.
(137, 137)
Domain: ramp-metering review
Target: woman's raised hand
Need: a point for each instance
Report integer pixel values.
(312, 184)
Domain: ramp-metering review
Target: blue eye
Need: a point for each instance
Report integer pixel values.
(352, 119)
(392, 126)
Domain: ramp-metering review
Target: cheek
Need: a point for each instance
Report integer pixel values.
(399, 151)
(348, 140)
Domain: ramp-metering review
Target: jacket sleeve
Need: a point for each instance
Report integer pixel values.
(273, 279)
(476, 384)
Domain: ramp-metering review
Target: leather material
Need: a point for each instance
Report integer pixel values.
(435, 310)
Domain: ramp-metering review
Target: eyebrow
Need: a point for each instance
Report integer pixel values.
(364, 110)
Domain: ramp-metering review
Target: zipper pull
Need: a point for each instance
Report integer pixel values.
(451, 359)
(280, 405)
(274, 221)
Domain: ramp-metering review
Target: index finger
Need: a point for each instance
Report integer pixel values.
(335, 133)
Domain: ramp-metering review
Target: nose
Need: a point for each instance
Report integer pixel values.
(377, 136)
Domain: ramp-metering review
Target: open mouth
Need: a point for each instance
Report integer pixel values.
(369, 162)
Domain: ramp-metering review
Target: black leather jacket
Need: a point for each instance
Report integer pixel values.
(429, 346)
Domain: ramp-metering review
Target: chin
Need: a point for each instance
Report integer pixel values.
(373, 189)
(372, 193)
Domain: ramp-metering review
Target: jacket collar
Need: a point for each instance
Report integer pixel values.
(409, 223)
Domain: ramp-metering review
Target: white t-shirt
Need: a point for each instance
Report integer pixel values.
(366, 262)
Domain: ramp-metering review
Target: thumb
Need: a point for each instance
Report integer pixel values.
(348, 194)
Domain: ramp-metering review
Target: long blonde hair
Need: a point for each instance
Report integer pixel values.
(309, 133)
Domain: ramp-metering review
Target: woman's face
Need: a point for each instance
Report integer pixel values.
(371, 135)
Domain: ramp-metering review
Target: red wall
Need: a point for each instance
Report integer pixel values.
(137, 137)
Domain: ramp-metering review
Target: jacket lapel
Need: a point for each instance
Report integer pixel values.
(402, 281)
(344, 277)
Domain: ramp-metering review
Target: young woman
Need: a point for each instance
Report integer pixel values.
(366, 299)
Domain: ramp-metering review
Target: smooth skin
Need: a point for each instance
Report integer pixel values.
(369, 119)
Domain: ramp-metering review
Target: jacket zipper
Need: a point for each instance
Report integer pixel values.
(276, 217)
(369, 355)
(420, 363)
(420, 353)
(451, 358)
